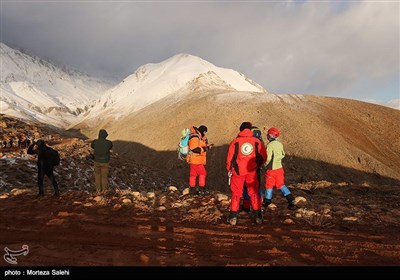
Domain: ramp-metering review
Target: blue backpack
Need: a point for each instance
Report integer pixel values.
(183, 145)
(257, 132)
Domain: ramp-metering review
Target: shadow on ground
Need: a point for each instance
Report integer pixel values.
(297, 169)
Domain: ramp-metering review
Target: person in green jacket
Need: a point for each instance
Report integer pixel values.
(102, 148)
(275, 175)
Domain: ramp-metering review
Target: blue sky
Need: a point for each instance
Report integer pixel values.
(330, 48)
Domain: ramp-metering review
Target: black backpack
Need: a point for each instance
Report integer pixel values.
(52, 156)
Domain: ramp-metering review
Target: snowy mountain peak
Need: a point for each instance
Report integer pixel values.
(154, 81)
(33, 88)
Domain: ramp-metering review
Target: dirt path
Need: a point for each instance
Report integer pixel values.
(61, 232)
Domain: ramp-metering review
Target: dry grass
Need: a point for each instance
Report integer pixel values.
(320, 219)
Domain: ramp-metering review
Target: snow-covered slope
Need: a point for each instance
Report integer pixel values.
(153, 82)
(32, 88)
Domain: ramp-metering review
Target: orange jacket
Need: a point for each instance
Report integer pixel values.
(196, 141)
(246, 153)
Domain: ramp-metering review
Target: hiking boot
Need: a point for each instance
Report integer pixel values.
(232, 218)
(203, 192)
(291, 205)
(266, 202)
(193, 190)
(258, 217)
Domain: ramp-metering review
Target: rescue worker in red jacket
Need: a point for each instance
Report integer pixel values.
(198, 147)
(246, 199)
(245, 155)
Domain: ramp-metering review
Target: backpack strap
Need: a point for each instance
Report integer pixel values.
(193, 135)
(234, 163)
(196, 150)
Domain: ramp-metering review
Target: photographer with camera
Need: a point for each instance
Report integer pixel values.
(47, 159)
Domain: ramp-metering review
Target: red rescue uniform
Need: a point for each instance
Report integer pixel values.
(246, 153)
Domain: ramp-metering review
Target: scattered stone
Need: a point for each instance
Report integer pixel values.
(177, 205)
(221, 197)
(3, 196)
(288, 222)
(55, 222)
(185, 191)
(144, 259)
(116, 207)
(151, 195)
(225, 203)
(299, 199)
(126, 201)
(161, 208)
(325, 211)
(272, 206)
(163, 200)
(351, 219)
(323, 184)
(305, 213)
(136, 194)
(172, 188)
(88, 204)
(17, 192)
(98, 198)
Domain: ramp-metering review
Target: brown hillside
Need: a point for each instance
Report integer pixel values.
(325, 138)
(144, 221)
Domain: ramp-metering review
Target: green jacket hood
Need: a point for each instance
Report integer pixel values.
(103, 134)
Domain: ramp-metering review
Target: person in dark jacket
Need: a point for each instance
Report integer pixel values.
(102, 148)
(44, 167)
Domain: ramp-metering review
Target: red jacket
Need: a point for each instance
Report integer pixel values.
(246, 153)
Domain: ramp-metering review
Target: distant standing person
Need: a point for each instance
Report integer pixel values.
(102, 148)
(246, 154)
(45, 165)
(28, 139)
(198, 147)
(274, 175)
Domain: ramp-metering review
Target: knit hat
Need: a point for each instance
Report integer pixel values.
(245, 125)
(40, 143)
(202, 129)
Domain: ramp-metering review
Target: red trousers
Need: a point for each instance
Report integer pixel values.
(197, 170)
(274, 178)
(252, 189)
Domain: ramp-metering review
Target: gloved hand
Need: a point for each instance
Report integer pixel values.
(208, 147)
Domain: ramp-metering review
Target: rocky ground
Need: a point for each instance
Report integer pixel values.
(149, 219)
